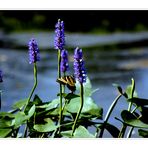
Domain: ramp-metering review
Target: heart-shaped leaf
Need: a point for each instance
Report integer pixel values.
(89, 107)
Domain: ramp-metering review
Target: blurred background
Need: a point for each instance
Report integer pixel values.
(115, 46)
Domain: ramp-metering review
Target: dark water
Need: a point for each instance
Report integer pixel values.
(103, 68)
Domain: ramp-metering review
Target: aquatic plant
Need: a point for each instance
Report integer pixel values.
(74, 111)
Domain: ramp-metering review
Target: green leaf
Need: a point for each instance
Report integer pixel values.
(47, 127)
(138, 101)
(20, 104)
(67, 134)
(143, 133)
(87, 87)
(82, 132)
(4, 123)
(51, 105)
(118, 87)
(31, 112)
(37, 100)
(130, 90)
(6, 114)
(71, 96)
(131, 120)
(21, 117)
(114, 131)
(89, 107)
(5, 132)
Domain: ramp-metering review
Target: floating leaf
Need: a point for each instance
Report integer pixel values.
(5, 132)
(131, 120)
(47, 127)
(19, 104)
(143, 133)
(89, 107)
(82, 132)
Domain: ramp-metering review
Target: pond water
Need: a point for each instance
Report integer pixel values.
(103, 68)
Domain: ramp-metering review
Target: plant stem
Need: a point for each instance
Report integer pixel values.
(130, 132)
(80, 109)
(108, 114)
(34, 86)
(31, 93)
(59, 75)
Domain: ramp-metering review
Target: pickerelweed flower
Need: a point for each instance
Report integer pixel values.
(1, 76)
(79, 68)
(59, 41)
(34, 54)
(64, 61)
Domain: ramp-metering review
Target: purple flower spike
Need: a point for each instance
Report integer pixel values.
(59, 41)
(64, 61)
(79, 68)
(34, 54)
(1, 76)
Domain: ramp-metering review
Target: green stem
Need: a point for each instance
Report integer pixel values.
(59, 75)
(108, 114)
(31, 93)
(80, 109)
(34, 86)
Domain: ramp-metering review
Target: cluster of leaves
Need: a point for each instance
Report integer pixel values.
(40, 119)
